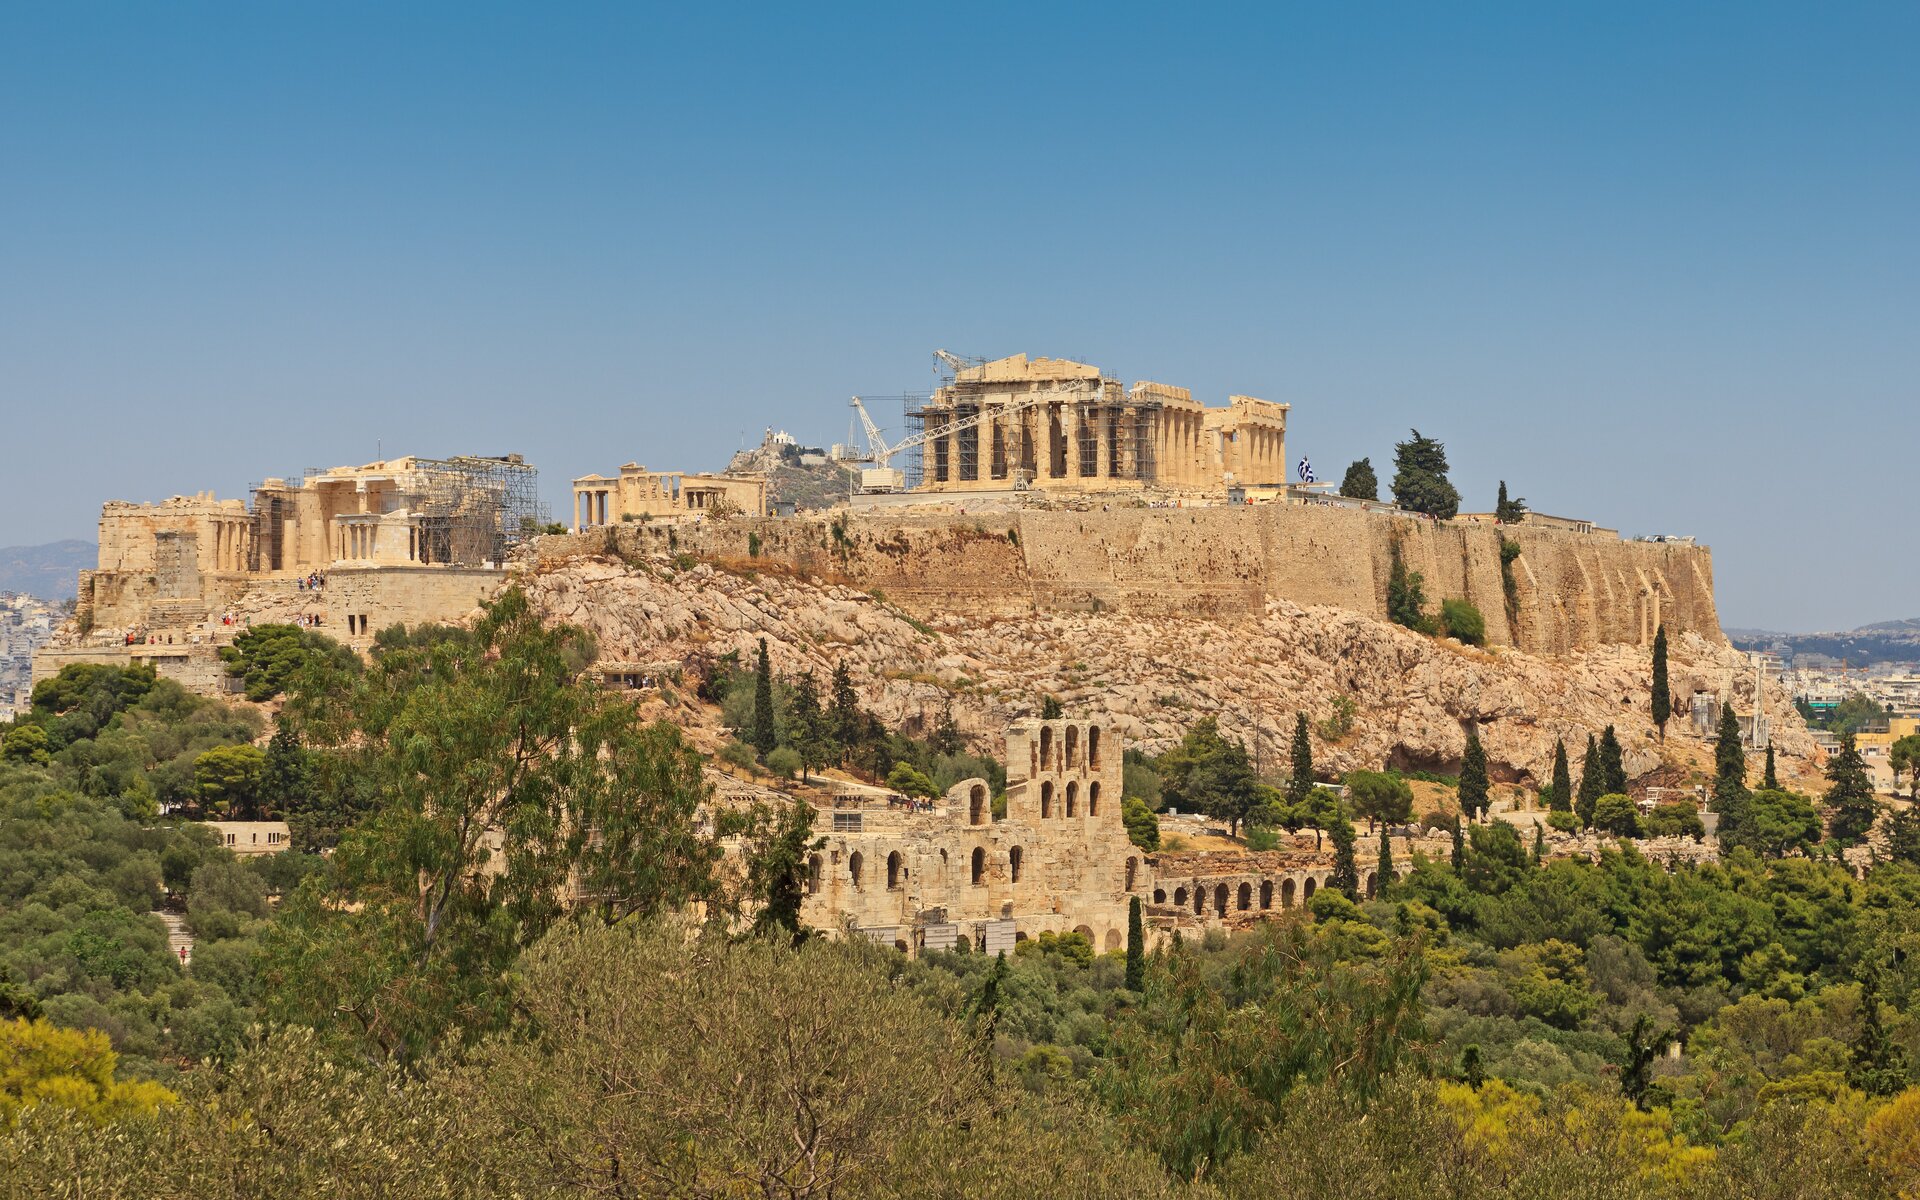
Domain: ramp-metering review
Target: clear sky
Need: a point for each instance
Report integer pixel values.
(1657, 265)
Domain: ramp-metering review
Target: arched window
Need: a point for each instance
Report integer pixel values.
(1093, 798)
(1093, 747)
(1046, 747)
(893, 870)
(1133, 868)
(1220, 899)
(1073, 797)
(1286, 893)
(1266, 893)
(1179, 897)
(977, 807)
(1160, 897)
(1013, 864)
(853, 868)
(1073, 746)
(1046, 797)
(1306, 892)
(979, 865)
(1246, 896)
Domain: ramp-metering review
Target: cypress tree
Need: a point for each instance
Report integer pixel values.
(847, 725)
(1473, 777)
(1729, 778)
(1591, 783)
(764, 738)
(1561, 797)
(1301, 781)
(1346, 870)
(1383, 874)
(1613, 772)
(1771, 782)
(1662, 697)
(1136, 948)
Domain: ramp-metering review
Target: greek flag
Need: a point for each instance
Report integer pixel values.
(1306, 471)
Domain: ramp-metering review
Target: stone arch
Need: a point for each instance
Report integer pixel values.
(1179, 897)
(1220, 899)
(1306, 891)
(1073, 797)
(1245, 898)
(1266, 894)
(979, 865)
(1093, 798)
(1286, 893)
(1046, 797)
(1013, 863)
(1133, 869)
(1093, 747)
(1046, 747)
(978, 806)
(1113, 940)
(893, 870)
(1073, 747)
(813, 874)
(1160, 897)
(854, 862)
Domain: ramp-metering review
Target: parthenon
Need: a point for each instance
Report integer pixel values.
(1056, 424)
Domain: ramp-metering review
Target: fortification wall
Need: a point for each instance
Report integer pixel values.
(1569, 590)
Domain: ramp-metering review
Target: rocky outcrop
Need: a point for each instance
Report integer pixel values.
(1412, 696)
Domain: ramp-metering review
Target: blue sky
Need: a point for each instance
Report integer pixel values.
(1654, 265)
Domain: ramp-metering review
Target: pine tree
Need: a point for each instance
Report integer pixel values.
(847, 723)
(1561, 797)
(1613, 771)
(1850, 796)
(1383, 874)
(1473, 778)
(1360, 482)
(806, 725)
(1136, 948)
(764, 737)
(1771, 781)
(1346, 870)
(1592, 783)
(1662, 697)
(1420, 478)
(1300, 782)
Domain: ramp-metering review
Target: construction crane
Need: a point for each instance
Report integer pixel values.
(883, 477)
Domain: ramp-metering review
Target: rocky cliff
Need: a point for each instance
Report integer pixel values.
(1254, 662)
(1559, 591)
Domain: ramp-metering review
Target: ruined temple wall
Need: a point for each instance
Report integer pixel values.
(1571, 590)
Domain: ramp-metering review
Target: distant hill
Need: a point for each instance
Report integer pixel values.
(1884, 641)
(48, 571)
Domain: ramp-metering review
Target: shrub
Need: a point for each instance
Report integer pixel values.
(1616, 814)
(1462, 620)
